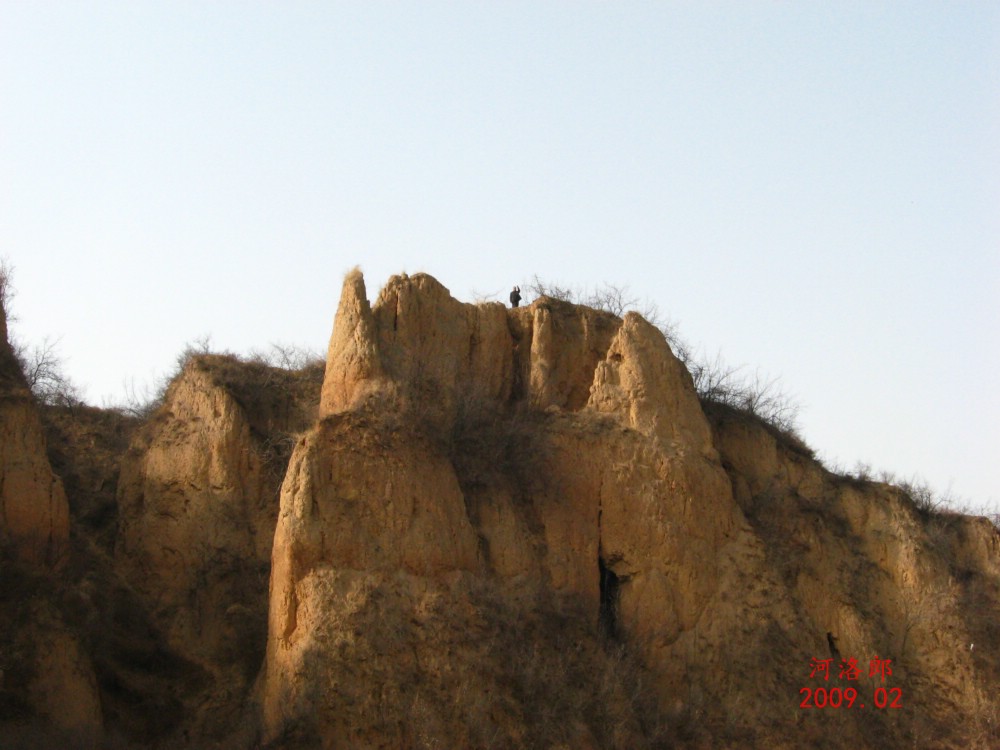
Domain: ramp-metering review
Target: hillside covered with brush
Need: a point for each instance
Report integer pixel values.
(476, 527)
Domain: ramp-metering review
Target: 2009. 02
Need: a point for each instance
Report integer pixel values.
(836, 697)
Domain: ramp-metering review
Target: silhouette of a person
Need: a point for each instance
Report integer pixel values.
(515, 296)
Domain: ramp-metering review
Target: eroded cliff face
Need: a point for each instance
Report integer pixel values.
(194, 516)
(34, 515)
(198, 501)
(418, 342)
(471, 457)
(44, 671)
(506, 528)
(863, 564)
(551, 452)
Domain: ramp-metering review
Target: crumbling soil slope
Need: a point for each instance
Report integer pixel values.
(34, 515)
(483, 527)
(45, 676)
(197, 503)
(564, 457)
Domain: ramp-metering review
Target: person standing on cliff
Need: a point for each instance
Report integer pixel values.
(515, 296)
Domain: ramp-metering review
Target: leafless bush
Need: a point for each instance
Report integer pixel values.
(719, 383)
(922, 609)
(489, 440)
(542, 288)
(41, 365)
(139, 401)
(940, 507)
(613, 298)
(196, 347)
(143, 400)
(863, 472)
(260, 368)
(678, 344)
(44, 372)
(6, 283)
(714, 380)
(286, 356)
(481, 298)
(617, 300)
(923, 496)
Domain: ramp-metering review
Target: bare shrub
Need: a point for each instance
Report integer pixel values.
(717, 382)
(6, 284)
(274, 399)
(863, 472)
(45, 374)
(542, 288)
(260, 367)
(197, 347)
(616, 299)
(286, 356)
(714, 380)
(489, 441)
(140, 401)
(41, 365)
(619, 300)
(922, 495)
(481, 298)
(922, 609)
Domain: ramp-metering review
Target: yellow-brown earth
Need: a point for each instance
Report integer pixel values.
(481, 527)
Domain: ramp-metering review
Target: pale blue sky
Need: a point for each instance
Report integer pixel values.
(809, 188)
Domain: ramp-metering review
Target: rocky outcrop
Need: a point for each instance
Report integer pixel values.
(48, 691)
(883, 579)
(64, 690)
(594, 464)
(472, 458)
(49, 695)
(197, 509)
(507, 528)
(34, 515)
(418, 343)
(354, 363)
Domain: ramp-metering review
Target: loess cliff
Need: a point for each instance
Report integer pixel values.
(479, 527)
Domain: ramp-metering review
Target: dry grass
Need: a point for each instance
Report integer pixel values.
(147, 691)
(85, 448)
(143, 685)
(491, 443)
(273, 398)
(720, 413)
(475, 667)
(278, 403)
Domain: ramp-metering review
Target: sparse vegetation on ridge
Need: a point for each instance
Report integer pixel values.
(45, 372)
(927, 501)
(715, 381)
(470, 655)
(41, 365)
(725, 390)
(239, 371)
(729, 392)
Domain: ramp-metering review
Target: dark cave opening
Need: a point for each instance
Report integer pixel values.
(610, 591)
